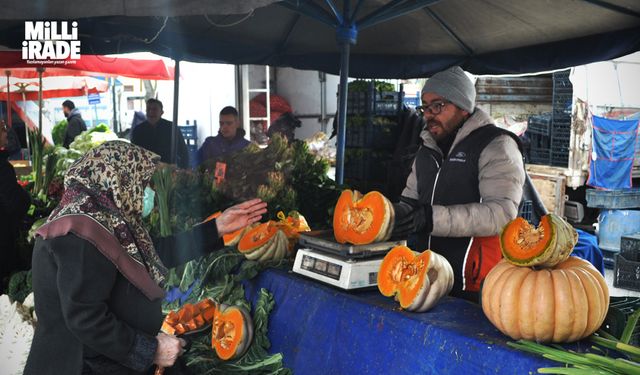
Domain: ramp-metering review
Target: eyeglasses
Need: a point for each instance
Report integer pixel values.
(434, 108)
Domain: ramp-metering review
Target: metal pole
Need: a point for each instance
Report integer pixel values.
(176, 96)
(342, 111)
(40, 71)
(8, 73)
(113, 96)
(346, 35)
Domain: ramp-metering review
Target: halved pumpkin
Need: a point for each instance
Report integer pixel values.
(266, 241)
(231, 332)
(361, 220)
(417, 280)
(257, 237)
(549, 244)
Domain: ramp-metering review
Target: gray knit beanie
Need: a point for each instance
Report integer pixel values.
(453, 85)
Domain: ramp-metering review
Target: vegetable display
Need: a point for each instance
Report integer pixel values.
(361, 220)
(547, 245)
(561, 304)
(417, 280)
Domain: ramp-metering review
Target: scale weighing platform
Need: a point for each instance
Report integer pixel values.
(342, 265)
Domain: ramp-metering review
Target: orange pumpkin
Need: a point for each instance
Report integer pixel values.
(549, 244)
(417, 280)
(264, 242)
(562, 304)
(232, 332)
(361, 220)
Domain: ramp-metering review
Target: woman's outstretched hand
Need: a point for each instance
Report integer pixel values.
(240, 215)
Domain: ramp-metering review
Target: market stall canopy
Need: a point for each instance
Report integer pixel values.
(393, 39)
(52, 87)
(88, 65)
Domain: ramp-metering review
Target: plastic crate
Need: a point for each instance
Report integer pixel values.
(189, 131)
(560, 157)
(539, 141)
(626, 272)
(613, 199)
(613, 224)
(526, 210)
(539, 155)
(630, 242)
(366, 164)
(620, 309)
(356, 136)
(539, 124)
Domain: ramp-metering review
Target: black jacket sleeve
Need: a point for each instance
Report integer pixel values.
(183, 247)
(14, 200)
(85, 279)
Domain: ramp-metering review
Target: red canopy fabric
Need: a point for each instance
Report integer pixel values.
(88, 65)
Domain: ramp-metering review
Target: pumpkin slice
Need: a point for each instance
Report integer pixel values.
(361, 220)
(261, 251)
(418, 280)
(231, 333)
(547, 245)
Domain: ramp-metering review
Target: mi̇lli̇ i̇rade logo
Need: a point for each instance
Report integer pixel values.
(50, 42)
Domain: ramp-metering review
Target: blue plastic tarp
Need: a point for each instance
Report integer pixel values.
(323, 330)
(614, 144)
(587, 249)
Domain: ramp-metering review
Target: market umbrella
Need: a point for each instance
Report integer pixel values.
(374, 38)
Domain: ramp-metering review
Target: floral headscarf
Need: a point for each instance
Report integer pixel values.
(102, 203)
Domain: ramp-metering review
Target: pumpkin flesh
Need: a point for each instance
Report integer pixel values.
(230, 335)
(417, 280)
(361, 220)
(256, 237)
(546, 245)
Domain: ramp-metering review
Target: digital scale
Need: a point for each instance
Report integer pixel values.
(342, 265)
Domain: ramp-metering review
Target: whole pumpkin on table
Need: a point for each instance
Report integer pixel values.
(539, 292)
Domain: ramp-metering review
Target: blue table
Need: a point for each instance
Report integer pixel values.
(323, 330)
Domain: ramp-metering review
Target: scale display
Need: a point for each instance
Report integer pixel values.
(322, 267)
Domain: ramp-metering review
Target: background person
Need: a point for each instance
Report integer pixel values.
(98, 275)
(154, 134)
(75, 123)
(466, 182)
(230, 137)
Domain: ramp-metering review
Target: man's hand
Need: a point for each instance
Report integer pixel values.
(240, 216)
(169, 349)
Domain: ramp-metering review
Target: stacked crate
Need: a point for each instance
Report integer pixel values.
(550, 133)
(371, 133)
(561, 118)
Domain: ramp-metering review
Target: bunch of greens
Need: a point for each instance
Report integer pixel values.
(58, 131)
(163, 184)
(19, 286)
(609, 355)
(218, 276)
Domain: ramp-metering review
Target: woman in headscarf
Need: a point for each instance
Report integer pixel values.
(98, 275)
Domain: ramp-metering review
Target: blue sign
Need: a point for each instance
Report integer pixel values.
(94, 98)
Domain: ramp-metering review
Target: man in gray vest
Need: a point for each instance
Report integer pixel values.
(465, 185)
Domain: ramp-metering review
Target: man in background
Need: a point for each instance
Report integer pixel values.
(75, 123)
(154, 134)
(230, 137)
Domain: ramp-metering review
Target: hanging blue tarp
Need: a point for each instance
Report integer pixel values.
(613, 150)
